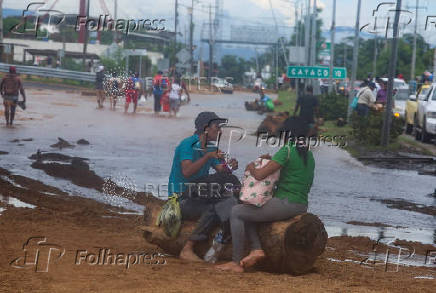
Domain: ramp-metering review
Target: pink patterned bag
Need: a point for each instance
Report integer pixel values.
(259, 192)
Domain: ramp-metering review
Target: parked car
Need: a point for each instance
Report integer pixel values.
(222, 85)
(398, 83)
(400, 100)
(424, 125)
(342, 88)
(412, 106)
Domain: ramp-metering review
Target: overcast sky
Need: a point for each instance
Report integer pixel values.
(238, 12)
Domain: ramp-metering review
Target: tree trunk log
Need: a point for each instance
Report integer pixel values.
(291, 246)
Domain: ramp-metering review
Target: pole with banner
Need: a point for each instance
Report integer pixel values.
(392, 67)
(332, 46)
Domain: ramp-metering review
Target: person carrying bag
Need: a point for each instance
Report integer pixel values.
(296, 165)
(258, 192)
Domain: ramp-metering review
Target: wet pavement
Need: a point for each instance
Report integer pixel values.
(140, 148)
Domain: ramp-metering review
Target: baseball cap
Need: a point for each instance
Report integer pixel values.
(12, 69)
(204, 119)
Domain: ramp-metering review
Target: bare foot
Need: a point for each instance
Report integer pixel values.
(230, 266)
(251, 259)
(189, 255)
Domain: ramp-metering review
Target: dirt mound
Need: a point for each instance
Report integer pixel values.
(61, 144)
(375, 224)
(421, 249)
(53, 157)
(272, 123)
(77, 172)
(23, 139)
(401, 204)
(83, 141)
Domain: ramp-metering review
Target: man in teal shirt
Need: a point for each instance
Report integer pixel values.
(193, 159)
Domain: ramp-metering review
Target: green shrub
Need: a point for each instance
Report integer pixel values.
(367, 130)
(333, 106)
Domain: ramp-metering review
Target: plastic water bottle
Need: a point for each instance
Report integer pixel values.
(217, 246)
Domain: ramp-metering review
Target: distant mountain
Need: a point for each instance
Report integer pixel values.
(343, 32)
(11, 12)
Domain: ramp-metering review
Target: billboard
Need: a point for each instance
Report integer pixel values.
(254, 34)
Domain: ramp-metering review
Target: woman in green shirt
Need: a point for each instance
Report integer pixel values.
(296, 164)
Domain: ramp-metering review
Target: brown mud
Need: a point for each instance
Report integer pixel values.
(404, 159)
(402, 204)
(375, 224)
(62, 143)
(54, 157)
(75, 223)
(82, 142)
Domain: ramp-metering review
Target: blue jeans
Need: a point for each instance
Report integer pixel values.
(362, 109)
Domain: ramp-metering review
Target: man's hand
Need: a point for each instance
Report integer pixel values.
(266, 156)
(215, 155)
(250, 167)
(233, 164)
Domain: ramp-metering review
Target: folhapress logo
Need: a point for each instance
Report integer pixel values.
(38, 254)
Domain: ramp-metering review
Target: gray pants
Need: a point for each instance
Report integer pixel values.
(209, 213)
(244, 219)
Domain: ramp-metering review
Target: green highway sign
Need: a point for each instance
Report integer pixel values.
(316, 72)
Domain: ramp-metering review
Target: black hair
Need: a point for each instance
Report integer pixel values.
(296, 130)
(309, 89)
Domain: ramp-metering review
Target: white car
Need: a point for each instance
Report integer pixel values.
(424, 125)
(398, 83)
(401, 96)
(222, 85)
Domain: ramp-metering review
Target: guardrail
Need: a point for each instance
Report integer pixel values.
(50, 72)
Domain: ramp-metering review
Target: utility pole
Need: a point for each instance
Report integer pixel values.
(115, 36)
(307, 38)
(355, 55)
(175, 23)
(210, 44)
(412, 70)
(191, 33)
(392, 67)
(313, 42)
(345, 55)
(307, 35)
(85, 43)
(1, 30)
(297, 45)
(277, 66)
(374, 63)
(332, 46)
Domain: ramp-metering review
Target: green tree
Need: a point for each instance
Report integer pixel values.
(232, 66)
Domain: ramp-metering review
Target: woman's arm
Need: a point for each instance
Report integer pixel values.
(265, 171)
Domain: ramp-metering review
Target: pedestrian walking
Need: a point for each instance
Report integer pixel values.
(131, 93)
(175, 97)
(10, 88)
(99, 78)
(308, 106)
(157, 91)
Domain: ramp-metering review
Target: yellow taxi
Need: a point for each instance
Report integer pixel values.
(412, 107)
